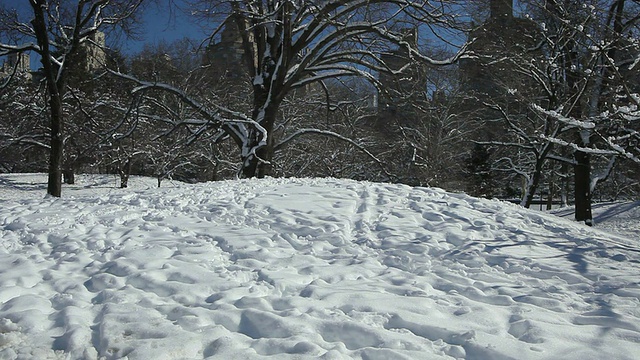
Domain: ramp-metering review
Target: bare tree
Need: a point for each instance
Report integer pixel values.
(23, 132)
(594, 41)
(57, 31)
(567, 94)
(288, 45)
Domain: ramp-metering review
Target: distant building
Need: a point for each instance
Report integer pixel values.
(406, 82)
(398, 88)
(92, 57)
(93, 52)
(502, 36)
(225, 58)
(21, 62)
(490, 76)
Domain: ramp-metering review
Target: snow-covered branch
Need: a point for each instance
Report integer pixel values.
(567, 120)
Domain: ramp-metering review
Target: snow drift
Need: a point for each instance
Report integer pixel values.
(305, 269)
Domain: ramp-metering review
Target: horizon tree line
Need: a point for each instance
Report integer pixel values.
(338, 89)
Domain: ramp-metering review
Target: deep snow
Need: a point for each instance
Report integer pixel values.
(308, 269)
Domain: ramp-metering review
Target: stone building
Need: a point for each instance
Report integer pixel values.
(224, 61)
(21, 62)
(499, 45)
(399, 89)
(225, 57)
(91, 56)
(501, 37)
(93, 52)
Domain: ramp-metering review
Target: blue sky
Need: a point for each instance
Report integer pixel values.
(160, 24)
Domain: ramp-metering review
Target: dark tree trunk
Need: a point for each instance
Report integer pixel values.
(583, 160)
(250, 159)
(268, 55)
(537, 175)
(265, 153)
(124, 180)
(582, 169)
(68, 176)
(55, 86)
(249, 166)
(582, 179)
(125, 172)
(259, 164)
(550, 196)
(54, 184)
(533, 186)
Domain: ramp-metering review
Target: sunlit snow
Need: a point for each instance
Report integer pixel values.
(307, 269)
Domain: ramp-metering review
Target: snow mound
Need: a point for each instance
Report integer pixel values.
(306, 269)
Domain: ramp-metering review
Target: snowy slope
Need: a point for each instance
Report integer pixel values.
(304, 269)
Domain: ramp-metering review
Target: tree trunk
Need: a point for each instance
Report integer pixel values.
(582, 167)
(582, 180)
(532, 187)
(249, 166)
(265, 153)
(68, 176)
(550, 195)
(250, 154)
(537, 174)
(54, 186)
(125, 172)
(55, 86)
(259, 164)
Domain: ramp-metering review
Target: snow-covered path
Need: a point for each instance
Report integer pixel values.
(319, 268)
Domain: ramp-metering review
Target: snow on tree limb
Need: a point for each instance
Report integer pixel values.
(576, 147)
(569, 121)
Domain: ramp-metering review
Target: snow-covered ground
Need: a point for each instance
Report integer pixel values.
(308, 269)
